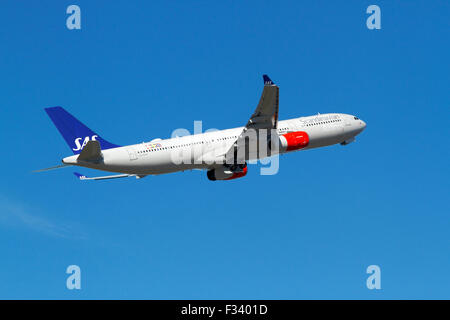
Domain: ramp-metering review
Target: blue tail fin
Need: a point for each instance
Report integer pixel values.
(76, 134)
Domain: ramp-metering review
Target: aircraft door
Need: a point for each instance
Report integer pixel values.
(132, 154)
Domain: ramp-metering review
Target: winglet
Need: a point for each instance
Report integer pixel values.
(267, 80)
(79, 176)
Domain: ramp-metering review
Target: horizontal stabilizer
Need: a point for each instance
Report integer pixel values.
(53, 168)
(91, 152)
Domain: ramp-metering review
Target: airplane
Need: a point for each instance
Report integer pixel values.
(223, 154)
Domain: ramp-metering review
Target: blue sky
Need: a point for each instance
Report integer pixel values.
(138, 70)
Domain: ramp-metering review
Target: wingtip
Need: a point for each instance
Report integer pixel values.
(79, 175)
(53, 108)
(267, 80)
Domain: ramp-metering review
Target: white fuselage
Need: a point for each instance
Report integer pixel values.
(163, 156)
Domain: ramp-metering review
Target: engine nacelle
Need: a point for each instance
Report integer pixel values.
(226, 173)
(293, 141)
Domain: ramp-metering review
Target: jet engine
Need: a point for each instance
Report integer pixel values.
(227, 172)
(293, 141)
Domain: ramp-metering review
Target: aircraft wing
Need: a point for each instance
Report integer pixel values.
(266, 113)
(83, 177)
(264, 117)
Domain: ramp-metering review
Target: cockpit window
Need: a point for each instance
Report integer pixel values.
(356, 118)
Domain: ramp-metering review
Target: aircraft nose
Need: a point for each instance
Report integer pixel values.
(363, 124)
